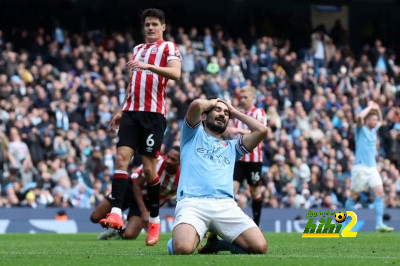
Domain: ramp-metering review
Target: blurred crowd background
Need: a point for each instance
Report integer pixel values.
(60, 87)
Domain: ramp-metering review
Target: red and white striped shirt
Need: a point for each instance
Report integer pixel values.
(259, 114)
(146, 88)
(168, 183)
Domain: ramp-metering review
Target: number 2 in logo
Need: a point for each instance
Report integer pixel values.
(346, 231)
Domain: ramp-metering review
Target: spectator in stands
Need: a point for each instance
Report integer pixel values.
(89, 67)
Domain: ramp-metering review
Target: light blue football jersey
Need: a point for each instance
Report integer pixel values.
(207, 164)
(366, 146)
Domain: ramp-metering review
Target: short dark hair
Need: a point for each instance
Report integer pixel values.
(177, 148)
(153, 12)
(209, 110)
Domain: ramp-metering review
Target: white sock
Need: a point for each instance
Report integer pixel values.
(117, 211)
(154, 219)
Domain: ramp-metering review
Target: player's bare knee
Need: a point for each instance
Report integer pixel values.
(259, 247)
(130, 235)
(182, 248)
(94, 218)
(122, 161)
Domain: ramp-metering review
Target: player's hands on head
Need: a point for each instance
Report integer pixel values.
(232, 110)
(212, 104)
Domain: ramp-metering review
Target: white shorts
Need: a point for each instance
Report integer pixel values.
(363, 177)
(220, 216)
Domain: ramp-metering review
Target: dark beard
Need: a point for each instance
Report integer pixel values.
(215, 128)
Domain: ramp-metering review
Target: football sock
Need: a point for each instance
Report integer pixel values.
(117, 211)
(119, 184)
(154, 219)
(223, 245)
(349, 205)
(153, 189)
(378, 202)
(256, 207)
(170, 247)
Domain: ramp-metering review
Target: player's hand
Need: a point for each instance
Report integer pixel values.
(115, 120)
(132, 64)
(145, 218)
(232, 110)
(212, 103)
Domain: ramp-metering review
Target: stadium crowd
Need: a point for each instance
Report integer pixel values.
(58, 91)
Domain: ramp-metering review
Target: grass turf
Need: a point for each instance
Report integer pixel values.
(284, 248)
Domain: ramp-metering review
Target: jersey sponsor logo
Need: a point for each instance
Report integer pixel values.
(212, 156)
(136, 69)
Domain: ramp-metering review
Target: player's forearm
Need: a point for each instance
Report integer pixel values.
(137, 193)
(380, 117)
(258, 131)
(364, 112)
(167, 72)
(236, 130)
(251, 123)
(196, 108)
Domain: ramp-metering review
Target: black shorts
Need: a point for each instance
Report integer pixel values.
(249, 170)
(142, 131)
(130, 202)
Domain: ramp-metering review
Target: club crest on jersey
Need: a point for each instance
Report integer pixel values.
(154, 50)
(224, 143)
(143, 54)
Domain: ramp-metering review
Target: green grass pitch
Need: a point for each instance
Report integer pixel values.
(283, 249)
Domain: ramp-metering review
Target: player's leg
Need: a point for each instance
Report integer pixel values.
(126, 203)
(119, 184)
(252, 240)
(133, 228)
(135, 222)
(238, 177)
(359, 182)
(253, 175)
(101, 211)
(191, 223)
(153, 189)
(239, 232)
(184, 239)
(351, 200)
(125, 150)
(153, 127)
(256, 203)
(379, 204)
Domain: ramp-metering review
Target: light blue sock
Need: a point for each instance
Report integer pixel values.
(170, 247)
(222, 245)
(378, 202)
(349, 204)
